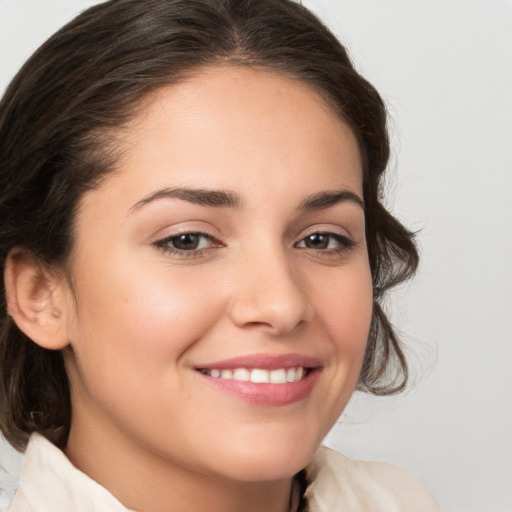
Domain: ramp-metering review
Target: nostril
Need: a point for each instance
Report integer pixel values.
(271, 298)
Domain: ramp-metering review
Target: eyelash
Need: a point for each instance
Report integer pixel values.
(165, 245)
(343, 244)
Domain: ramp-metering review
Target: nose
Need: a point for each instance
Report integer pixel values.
(267, 293)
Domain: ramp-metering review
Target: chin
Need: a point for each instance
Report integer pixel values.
(275, 461)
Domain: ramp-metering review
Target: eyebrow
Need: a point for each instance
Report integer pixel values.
(329, 198)
(203, 197)
(229, 199)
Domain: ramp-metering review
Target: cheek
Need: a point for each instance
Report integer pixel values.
(346, 310)
(133, 321)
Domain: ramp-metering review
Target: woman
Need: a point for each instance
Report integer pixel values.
(194, 255)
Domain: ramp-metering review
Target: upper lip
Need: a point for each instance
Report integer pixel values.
(264, 361)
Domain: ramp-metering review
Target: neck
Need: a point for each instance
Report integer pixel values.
(148, 482)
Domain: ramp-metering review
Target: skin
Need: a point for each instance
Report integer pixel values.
(137, 320)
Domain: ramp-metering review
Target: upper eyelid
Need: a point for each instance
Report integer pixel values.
(215, 237)
(331, 234)
(348, 227)
(184, 228)
(186, 232)
(325, 230)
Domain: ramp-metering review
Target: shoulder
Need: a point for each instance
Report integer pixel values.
(338, 483)
(50, 482)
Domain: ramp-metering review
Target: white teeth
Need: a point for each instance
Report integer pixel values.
(226, 374)
(278, 376)
(242, 374)
(259, 375)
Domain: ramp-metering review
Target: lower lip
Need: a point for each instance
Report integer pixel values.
(266, 394)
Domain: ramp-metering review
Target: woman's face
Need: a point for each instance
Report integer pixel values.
(221, 280)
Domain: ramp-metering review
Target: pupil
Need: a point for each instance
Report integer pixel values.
(317, 241)
(186, 242)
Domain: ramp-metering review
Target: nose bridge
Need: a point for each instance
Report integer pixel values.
(268, 290)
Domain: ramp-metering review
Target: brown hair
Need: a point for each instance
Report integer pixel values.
(88, 79)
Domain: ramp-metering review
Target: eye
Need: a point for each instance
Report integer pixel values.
(186, 243)
(327, 242)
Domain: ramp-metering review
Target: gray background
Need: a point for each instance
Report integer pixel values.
(445, 70)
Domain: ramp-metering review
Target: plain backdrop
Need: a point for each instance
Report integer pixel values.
(445, 69)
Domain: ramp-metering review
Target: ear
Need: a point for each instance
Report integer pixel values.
(37, 299)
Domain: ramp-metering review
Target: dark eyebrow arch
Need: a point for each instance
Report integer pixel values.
(329, 198)
(203, 197)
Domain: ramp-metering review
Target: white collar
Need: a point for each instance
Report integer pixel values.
(50, 483)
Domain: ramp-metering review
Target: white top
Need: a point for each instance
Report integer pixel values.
(50, 483)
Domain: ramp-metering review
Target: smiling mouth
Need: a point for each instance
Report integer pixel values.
(259, 375)
(264, 379)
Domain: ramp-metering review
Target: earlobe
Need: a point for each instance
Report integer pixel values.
(36, 299)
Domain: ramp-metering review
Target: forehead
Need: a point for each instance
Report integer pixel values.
(228, 125)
